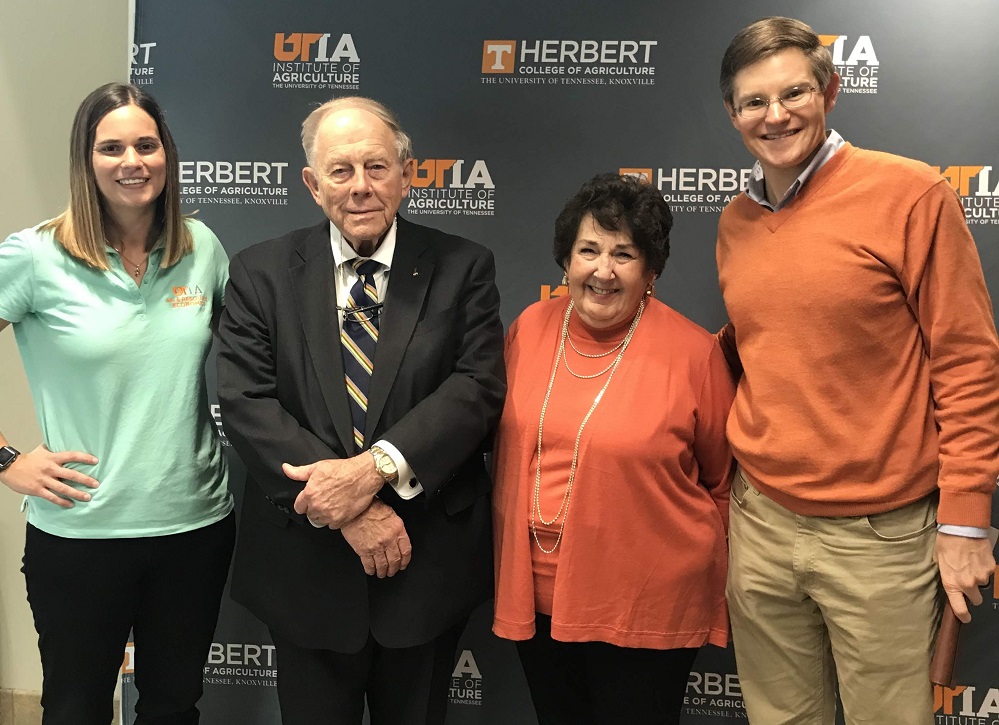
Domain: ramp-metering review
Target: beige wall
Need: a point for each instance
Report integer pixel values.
(52, 53)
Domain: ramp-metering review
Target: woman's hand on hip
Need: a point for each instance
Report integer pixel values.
(42, 473)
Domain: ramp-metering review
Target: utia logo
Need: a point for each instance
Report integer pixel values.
(452, 186)
(316, 61)
(957, 704)
(856, 62)
(978, 189)
(187, 296)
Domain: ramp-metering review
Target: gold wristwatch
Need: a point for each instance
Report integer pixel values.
(384, 465)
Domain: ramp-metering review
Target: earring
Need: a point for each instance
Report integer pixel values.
(650, 291)
(565, 280)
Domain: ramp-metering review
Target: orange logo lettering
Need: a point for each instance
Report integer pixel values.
(547, 292)
(959, 177)
(943, 697)
(430, 172)
(294, 46)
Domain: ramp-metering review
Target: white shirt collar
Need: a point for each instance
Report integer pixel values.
(343, 252)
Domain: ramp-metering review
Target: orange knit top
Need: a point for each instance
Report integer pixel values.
(642, 559)
(866, 334)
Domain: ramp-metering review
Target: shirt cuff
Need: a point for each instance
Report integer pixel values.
(406, 484)
(969, 532)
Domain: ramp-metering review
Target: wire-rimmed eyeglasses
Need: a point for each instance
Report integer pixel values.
(790, 99)
(360, 315)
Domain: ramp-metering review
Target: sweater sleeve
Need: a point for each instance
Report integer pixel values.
(946, 290)
(711, 449)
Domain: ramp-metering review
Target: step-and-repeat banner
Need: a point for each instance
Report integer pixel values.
(511, 106)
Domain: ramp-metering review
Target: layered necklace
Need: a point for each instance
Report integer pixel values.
(561, 357)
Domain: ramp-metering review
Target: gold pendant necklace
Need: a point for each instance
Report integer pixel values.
(137, 271)
(138, 267)
(564, 506)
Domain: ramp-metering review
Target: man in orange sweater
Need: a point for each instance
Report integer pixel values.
(868, 410)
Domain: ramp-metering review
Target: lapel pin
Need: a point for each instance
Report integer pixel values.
(415, 272)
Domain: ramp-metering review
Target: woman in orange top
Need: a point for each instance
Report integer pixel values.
(610, 553)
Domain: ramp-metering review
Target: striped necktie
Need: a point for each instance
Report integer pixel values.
(358, 338)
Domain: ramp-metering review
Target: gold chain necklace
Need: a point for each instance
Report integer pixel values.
(564, 506)
(573, 373)
(121, 254)
(597, 355)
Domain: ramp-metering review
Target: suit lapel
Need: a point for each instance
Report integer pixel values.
(409, 280)
(313, 285)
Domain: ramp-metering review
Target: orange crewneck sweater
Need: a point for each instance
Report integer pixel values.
(643, 560)
(866, 334)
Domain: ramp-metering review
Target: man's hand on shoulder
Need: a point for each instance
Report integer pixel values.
(336, 490)
(379, 538)
(965, 565)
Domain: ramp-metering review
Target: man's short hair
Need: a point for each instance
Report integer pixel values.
(767, 37)
(310, 126)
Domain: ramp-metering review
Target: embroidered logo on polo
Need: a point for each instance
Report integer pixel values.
(187, 296)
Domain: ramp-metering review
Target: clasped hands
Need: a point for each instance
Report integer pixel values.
(340, 494)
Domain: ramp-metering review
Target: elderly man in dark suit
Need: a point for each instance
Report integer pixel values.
(360, 376)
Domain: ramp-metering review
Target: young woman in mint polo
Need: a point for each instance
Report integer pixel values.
(129, 517)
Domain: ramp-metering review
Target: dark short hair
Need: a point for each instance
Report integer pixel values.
(767, 37)
(621, 204)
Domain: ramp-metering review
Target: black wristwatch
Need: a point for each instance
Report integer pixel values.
(7, 456)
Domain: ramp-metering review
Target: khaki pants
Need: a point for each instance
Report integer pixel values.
(814, 600)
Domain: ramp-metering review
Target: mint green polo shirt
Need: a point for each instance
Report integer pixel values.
(117, 370)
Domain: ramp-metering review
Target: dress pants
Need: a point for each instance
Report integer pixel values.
(816, 601)
(595, 683)
(85, 596)
(406, 686)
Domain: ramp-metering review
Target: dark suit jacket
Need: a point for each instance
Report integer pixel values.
(436, 394)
